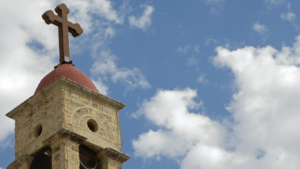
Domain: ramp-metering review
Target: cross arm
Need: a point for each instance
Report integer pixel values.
(74, 29)
(49, 17)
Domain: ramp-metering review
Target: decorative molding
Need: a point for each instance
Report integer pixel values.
(62, 134)
(116, 155)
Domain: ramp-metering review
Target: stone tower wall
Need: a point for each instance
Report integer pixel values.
(80, 107)
(47, 112)
(65, 105)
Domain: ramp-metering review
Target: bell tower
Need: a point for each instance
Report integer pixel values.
(67, 123)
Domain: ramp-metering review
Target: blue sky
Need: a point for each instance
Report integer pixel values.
(207, 84)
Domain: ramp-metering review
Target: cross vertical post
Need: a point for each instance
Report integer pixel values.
(64, 27)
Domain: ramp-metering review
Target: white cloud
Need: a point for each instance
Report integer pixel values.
(188, 48)
(290, 16)
(260, 28)
(22, 67)
(210, 40)
(202, 79)
(100, 86)
(265, 111)
(192, 61)
(105, 65)
(102, 32)
(144, 21)
(110, 32)
(183, 49)
(180, 129)
(86, 9)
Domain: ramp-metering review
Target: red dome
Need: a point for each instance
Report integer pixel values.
(70, 72)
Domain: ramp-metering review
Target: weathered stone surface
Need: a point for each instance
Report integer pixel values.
(63, 111)
(85, 101)
(116, 155)
(95, 105)
(74, 104)
(62, 134)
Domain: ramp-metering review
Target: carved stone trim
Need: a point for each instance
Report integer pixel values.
(27, 159)
(16, 112)
(116, 155)
(62, 134)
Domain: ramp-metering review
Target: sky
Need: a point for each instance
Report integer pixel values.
(207, 84)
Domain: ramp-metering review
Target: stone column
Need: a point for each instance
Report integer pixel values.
(22, 162)
(65, 149)
(112, 159)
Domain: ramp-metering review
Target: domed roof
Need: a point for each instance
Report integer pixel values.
(68, 71)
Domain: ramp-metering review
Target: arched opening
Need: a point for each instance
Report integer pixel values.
(87, 157)
(42, 159)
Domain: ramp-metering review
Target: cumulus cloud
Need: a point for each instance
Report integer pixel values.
(170, 110)
(260, 28)
(263, 132)
(21, 66)
(144, 21)
(105, 65)
(180, 129)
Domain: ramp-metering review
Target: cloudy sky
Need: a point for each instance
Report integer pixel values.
(207, 84)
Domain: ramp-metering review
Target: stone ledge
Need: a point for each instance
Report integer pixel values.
(65, 134)
(24, 159)
(116, 155)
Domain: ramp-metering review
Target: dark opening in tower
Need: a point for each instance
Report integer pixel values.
(42, 159)
(88, 158)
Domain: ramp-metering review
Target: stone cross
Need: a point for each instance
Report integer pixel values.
(64, 27)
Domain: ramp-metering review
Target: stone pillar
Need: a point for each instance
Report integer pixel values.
(65, 149)
(22, 162)
(112, 159)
